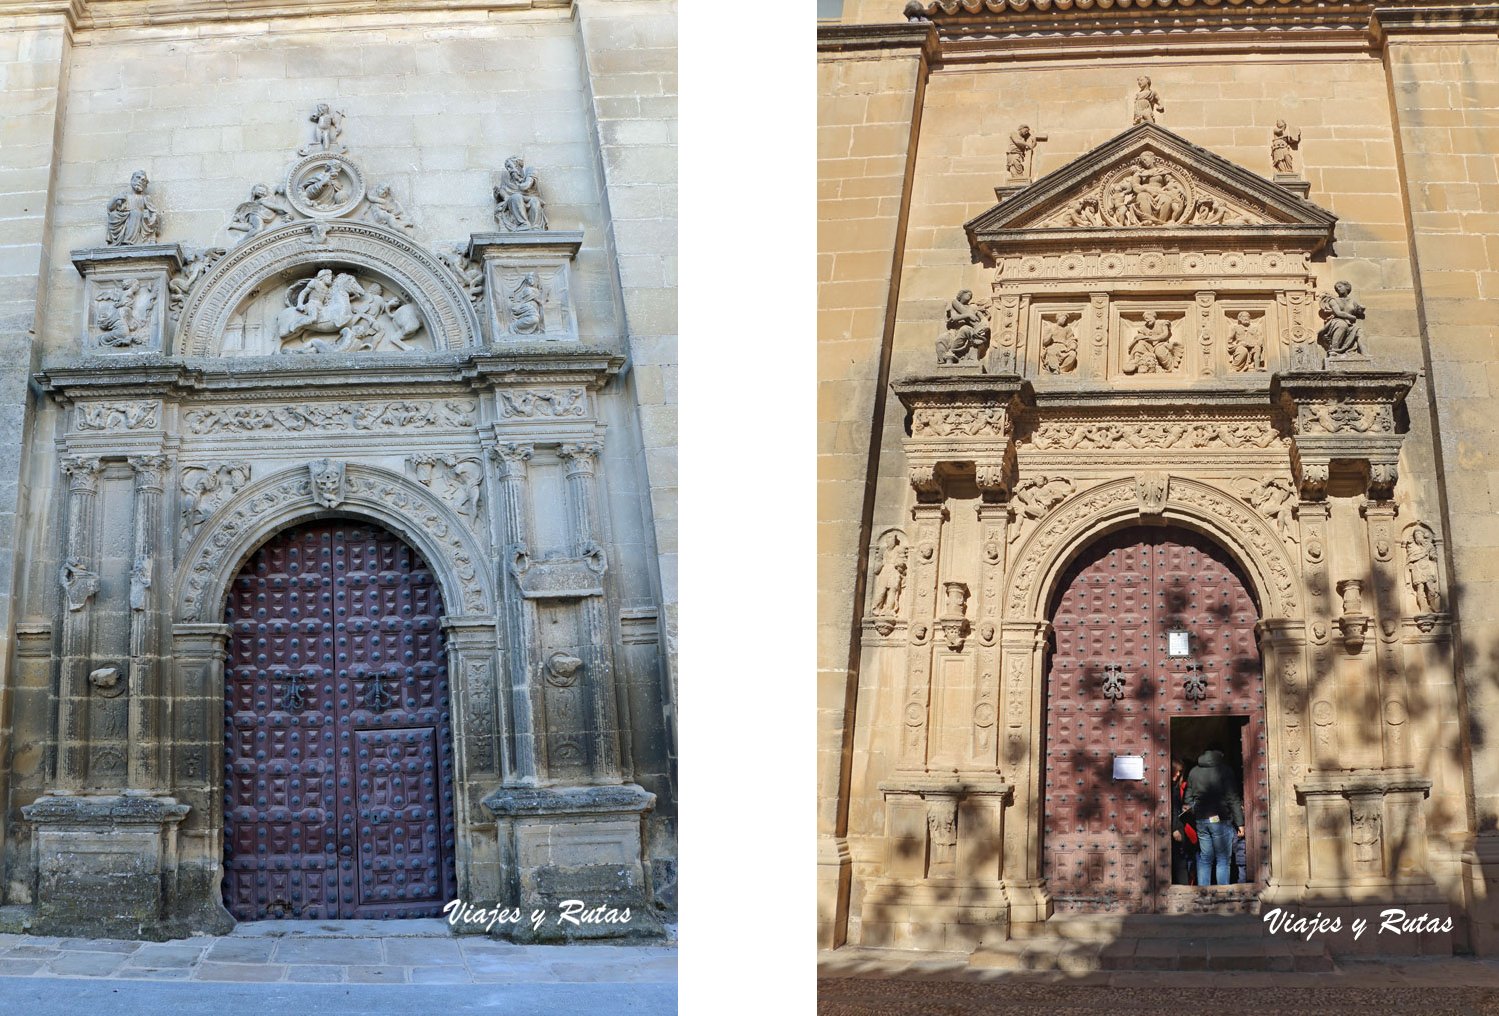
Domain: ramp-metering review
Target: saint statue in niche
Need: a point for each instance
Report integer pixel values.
(520, 205)
(132, 218)
(1059, 345)
(1421, 569)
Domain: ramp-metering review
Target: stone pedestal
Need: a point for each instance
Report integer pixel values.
(106, 865)
(125, 296)
(584, 844)
(527, 279)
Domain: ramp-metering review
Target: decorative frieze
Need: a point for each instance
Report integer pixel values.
(455, 414)
(525, 403)
(107, 417)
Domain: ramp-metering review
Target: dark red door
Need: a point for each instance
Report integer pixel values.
(1113, 687)
(338, 776)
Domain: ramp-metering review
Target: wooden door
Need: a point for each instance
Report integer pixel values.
(338, 784)
(1113, 687)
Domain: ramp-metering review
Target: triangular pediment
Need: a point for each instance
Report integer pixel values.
(1150, 185)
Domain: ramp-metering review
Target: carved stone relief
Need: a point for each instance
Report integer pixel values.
(889, 575)
(1059, 344)
(952, 421)
(469, 273)
(1022, 148)
(1421, 568)
(117, 416)
(365, 416)
(1154, 347)
(1284, 141)
(122, 313)
(1151, 490)
(197, 261)
(1146, 102)
(260, 212)
(1068, 435)
(1275, 498)
(206, 487)
(79, 584)
(1342, 331)
(131, 217)
(524, 306)
(328, 126)
(330, 313)
(1246, 343)
(327, 482)
(385, 210)
(525, 402)
(457, 480)
(1037, 495)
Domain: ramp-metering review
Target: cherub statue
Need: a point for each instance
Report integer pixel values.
(1342, 333)
(328, 124)
(1082, 212)
(259, 212)
(385, 210)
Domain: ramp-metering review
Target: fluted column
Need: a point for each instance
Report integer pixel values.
(595, 644)
(511, 460)
(147, 701)
(80, 583)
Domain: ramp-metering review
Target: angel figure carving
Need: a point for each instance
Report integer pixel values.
(259, 212)
(327, 124)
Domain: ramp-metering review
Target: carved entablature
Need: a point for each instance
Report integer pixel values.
(1151, 261)
(1346, 419)
(958, 424)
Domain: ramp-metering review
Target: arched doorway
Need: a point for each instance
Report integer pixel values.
(1155, 655)
(338, 776)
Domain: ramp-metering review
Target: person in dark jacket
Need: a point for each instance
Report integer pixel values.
(1183, 833)
(1212, 799)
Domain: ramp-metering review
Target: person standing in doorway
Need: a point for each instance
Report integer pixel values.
(1212, 798)
(1183, 833)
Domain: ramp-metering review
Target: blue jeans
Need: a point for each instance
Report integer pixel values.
(1215, 845)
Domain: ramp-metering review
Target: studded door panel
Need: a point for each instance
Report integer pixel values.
(1112, 690)
(338, 763)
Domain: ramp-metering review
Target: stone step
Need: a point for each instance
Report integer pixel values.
(1155, 954)
(1109, 927)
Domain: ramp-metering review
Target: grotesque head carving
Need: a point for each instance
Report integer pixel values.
(327, 482)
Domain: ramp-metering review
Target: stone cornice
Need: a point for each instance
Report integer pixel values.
(269, 377)
(85, 14)
(853, 38)
(1445, 18)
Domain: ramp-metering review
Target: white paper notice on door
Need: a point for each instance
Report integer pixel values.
(1129, 767)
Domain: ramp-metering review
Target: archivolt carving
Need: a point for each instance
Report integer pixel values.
(1043, 552)
(277, 501)
(440, 300)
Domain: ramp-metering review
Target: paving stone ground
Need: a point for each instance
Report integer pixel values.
(335, 953)
(865, 983)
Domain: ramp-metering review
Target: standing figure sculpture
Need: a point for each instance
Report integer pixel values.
(889, 581)
(966, 330)
(519, 198)
(1021, 150)
(1059, 345)
(1147, 102)
(524, 304)
(1342, 334)
(132, 218)
(1282, 144)
(1421, 570)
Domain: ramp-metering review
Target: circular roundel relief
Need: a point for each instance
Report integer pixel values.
(324, 185)
(1146, 192)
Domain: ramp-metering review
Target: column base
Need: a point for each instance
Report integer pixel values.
(934, 916)
(577, 854)
(834, 878)
(107, 868)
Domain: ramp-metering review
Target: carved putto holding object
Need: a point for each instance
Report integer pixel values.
(385, 210)
(520, 208)
(260, 212)
(967, 331)
(328, 124)
(132, 217)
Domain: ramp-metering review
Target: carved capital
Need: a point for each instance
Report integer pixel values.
(150, 471)
(925, 482)
(512, 457)
(581, 457)
(82, 473)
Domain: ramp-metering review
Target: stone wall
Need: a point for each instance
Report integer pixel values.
(436, 96)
